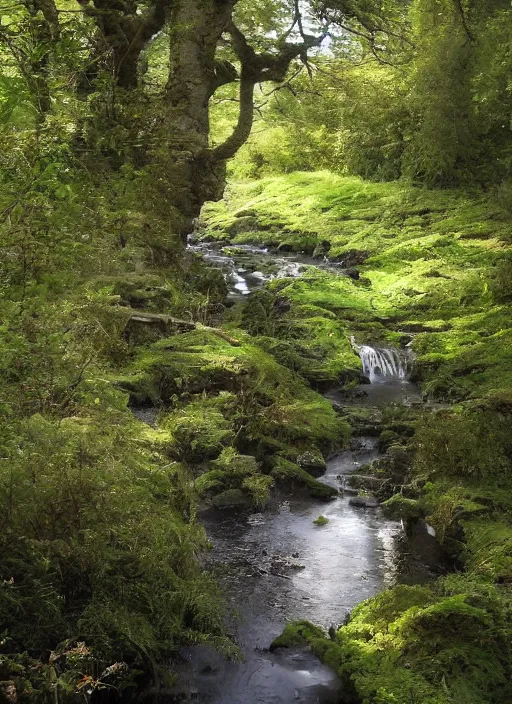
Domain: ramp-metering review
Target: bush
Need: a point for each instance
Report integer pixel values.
(106, 553)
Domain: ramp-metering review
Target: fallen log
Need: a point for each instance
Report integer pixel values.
(165, 320)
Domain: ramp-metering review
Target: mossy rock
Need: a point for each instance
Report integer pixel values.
(365, 482)
(297, 634)
(313, 462)
(395, 466)
(399, 507)
(232, 499)
(288, 474)
(243, 223)
(199, 432)
(386, 439)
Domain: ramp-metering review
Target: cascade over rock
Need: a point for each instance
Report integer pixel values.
(380, 364)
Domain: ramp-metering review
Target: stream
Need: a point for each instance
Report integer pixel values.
(278, 566)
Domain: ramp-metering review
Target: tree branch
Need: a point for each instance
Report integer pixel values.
(257, 68)
(125, 32)
(463, 19)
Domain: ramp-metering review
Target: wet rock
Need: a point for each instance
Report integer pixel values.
(352, 258)
(322, 248)
(232, 498)
(364, 502)
(349, 491)
(313, 462)
(364, 481)
(399, 507)
(353, 274)
(357, 444)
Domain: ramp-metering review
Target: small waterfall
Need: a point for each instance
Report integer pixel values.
(380, 364)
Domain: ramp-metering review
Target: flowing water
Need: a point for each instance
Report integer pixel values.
(380, 365)
(388, 371)
(277, 565)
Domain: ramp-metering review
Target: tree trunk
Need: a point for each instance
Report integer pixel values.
(196, 28)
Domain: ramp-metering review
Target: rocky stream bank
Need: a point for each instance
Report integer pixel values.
(282, 564)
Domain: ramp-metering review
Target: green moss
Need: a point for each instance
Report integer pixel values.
(437, 262)
(386, 439)
(434, 272)
(418, 644)
(226, 396)
(286, 472)
(198, 432)
(399, 507)
(231, 499)
(488, 548)
(321, 521)
(296, 634)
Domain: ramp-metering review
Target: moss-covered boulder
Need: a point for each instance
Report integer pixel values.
(415, 644)
(386, 439)
(399, 507)
(364, 482)
(234, 472)
(313, 462)
(288, 474)
(297, 634)
(199, 432)
(231, 499)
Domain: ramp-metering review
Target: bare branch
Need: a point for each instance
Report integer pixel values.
(463, 19)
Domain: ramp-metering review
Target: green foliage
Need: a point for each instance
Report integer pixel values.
(473, 444)
(432, 262)
(99, 544)
(417, 644)
(86, 561)
(428, 98)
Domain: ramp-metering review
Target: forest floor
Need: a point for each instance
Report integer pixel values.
(233, 399)
(430, 270)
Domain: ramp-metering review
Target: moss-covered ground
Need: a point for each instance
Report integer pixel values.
(431, 269)
(105, 561)
(434, 265)
(219, 400)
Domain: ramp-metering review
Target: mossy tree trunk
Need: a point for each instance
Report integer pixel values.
(166, 133)
(196, 29)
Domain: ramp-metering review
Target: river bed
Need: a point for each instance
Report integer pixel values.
(277, 565)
